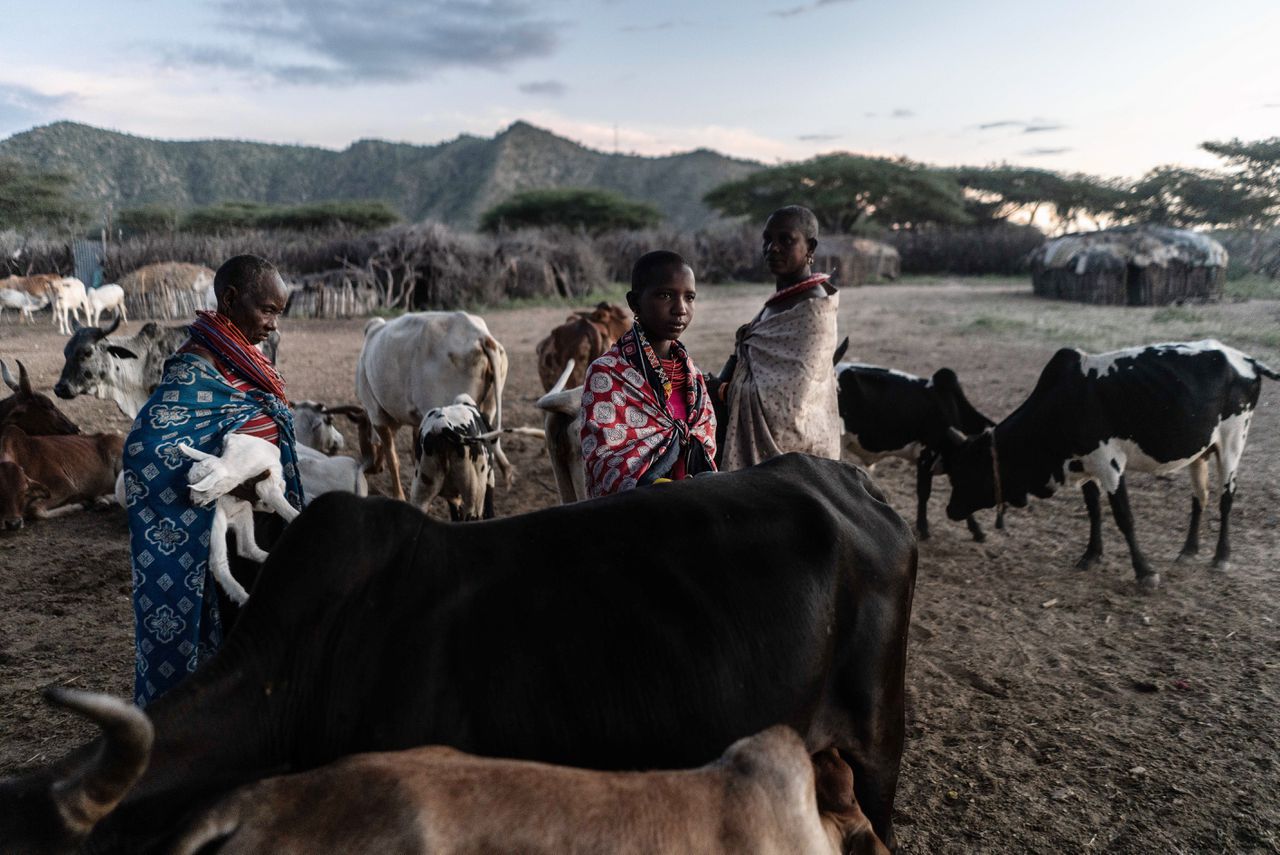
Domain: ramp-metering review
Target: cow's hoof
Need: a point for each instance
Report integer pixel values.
(1221, 564)
(979, 536)
(1088, 561)
(1184, 555)
(922, 534)
(1149, 583)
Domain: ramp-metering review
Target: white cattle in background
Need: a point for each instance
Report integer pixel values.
(98, 300)
(68, 297)
(21, 302)
(418, 362)
(562, 425)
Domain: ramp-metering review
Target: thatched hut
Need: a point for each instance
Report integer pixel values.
(168, 290)
(1131, 266)
(882, 260)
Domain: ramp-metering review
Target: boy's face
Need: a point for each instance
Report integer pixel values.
(665, 310)
(786, 249)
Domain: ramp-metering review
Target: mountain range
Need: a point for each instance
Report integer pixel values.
(452, 182)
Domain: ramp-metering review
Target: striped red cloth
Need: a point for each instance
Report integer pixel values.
(242, 365)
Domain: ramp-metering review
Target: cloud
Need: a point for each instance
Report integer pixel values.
(21, 106)
(792, 11)
(1004, 123)
(902, 113)
(336, 42)
(1039, 129)
(553, 88)
(1043, 152)
(650, 28)
(818, 137)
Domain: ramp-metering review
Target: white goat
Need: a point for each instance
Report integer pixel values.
(212, 478)
(98, 300)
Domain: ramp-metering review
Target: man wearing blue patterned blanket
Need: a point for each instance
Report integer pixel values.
(217, 383)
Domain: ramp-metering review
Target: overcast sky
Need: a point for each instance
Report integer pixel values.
(1112, 88)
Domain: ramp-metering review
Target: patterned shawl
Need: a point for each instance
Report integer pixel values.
(628, 437)
(176, 614)
(782, 396)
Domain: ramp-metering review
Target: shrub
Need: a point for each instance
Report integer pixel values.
(595, 211)
(1000, 249)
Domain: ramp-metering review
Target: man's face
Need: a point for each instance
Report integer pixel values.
(665, 310)
(255, 308)
(786, 249)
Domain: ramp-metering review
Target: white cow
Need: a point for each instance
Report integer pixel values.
(98, 300)
(313, 424)
(563, 427)
(322, 474)
(244, 458)
(68, 297)
(417, 362)
(25, 304)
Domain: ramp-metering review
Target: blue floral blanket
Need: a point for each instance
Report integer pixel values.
(176, 613)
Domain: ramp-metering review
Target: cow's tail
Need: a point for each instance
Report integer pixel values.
(493, 352)
(1264, 370)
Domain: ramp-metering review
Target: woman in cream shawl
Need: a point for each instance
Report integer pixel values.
(782, 395)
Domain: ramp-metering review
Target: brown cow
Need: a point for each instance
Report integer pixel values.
(28, 409)
(44, 473)
(760, 796)
(584, 336)
(37, 285)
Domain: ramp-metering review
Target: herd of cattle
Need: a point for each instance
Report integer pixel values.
(782, 596)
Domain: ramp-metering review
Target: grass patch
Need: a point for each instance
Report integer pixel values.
(1253, 286)
(997, 324)
(945, 279)
(1171, 314)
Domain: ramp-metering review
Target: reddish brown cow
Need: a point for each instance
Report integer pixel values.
(48, 472)
(584, 336)
(28, 409)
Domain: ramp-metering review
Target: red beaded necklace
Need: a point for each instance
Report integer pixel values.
(802, 285)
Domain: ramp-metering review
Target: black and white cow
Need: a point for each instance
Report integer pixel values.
(454, 459)
(1156, 409)
(888, 413)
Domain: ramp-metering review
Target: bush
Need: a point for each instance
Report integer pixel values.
(243, 216)
(726, 254)
(595, 211)
(1000, 249)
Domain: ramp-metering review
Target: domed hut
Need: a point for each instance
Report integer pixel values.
(1131, 266)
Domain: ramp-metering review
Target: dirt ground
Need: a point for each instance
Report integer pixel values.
(1050, 710)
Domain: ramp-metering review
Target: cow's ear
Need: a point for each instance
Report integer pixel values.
(36, 491)
(121, 352)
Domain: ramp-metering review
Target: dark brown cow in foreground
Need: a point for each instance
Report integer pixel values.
(28, 409)
(583, 337)
(39, 474)
(760, 796)
(781, 595)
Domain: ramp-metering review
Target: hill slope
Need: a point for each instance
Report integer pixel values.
(453, 182)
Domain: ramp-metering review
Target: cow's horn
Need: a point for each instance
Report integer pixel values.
(114, 325)
(91, 791)
(956, 436)
(8, 378)
(24, 382)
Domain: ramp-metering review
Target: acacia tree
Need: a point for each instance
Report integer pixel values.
(1179, 197)
(847, 192)
(1002, 191)
(594, 211)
